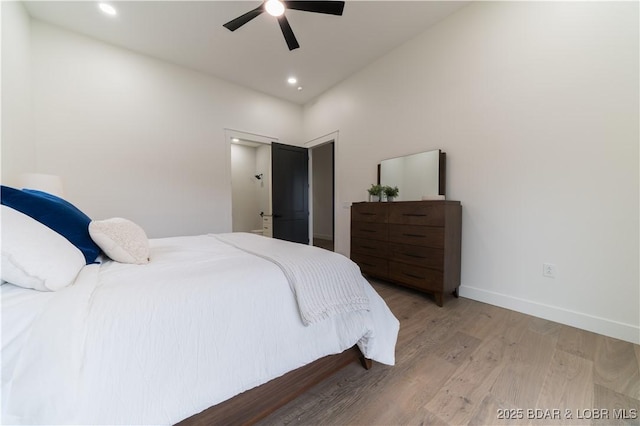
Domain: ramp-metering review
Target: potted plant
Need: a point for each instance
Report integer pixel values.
(390, 192)
(375, 192)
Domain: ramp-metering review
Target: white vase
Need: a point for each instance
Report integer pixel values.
(373, 198)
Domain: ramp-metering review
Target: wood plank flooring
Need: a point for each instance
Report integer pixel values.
(469, 362)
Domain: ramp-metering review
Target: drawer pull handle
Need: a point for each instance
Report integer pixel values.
(413, 276)
(414, 214)
(368, 230)
(367, 264)
(413, 235)
(368, 247)
(367, 214)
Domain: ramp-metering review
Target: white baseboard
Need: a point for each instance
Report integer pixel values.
(607, 327)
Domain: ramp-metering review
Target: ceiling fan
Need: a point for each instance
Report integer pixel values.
(276, 8)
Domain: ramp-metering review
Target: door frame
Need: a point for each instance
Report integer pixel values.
(254, 137)
(323, 140)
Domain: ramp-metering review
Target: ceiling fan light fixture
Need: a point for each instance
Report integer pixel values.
(277, 8)
(274, 7)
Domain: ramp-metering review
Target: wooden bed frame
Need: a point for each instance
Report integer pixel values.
(257, 403)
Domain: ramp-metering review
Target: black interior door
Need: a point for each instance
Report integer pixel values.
(290, 192)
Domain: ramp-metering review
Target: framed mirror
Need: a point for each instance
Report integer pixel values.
(417, 176)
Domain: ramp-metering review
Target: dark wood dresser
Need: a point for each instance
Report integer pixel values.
(411, 243)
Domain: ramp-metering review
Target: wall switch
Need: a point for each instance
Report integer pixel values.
(549, 270)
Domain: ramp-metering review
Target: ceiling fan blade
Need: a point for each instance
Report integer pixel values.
(234, 24)
(287, 32)
(328, 7)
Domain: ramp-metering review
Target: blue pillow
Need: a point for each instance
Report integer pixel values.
(57, 214)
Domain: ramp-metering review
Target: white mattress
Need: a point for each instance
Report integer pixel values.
(156, 343)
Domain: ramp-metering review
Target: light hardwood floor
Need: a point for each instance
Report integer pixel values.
(469, 362)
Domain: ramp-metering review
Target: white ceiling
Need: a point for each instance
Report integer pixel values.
(190, 33)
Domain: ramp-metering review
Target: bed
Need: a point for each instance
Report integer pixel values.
(203, 321)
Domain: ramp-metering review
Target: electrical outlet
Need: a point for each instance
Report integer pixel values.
(549, 270)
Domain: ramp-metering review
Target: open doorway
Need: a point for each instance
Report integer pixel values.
(250, 161)
(252, 181)
(250, 186)
(323, 184)
(269, 187)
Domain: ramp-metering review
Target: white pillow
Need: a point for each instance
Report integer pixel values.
(35, 256)
(121, 240)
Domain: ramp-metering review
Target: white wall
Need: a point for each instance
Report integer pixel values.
(18, 148)
(140, 138)
(245, 189)
(536, 106)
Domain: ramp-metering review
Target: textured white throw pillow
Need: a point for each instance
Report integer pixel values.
(121, 240)
(35, 256)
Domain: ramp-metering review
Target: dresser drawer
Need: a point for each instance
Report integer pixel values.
(369, 212)
(417, 213)
(426, 236)
(369, 230)
(374, 266)
(411, 243)
(429, 257)
(370, 247)
(416, 276)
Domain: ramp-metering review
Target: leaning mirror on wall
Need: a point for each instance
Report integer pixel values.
(418, 176)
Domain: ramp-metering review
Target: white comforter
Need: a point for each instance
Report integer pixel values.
(156, 343)
(323, 283)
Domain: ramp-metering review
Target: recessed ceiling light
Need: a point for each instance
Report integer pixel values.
(274, 7)
(299, 88)
(292, 80)
(107, 8)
